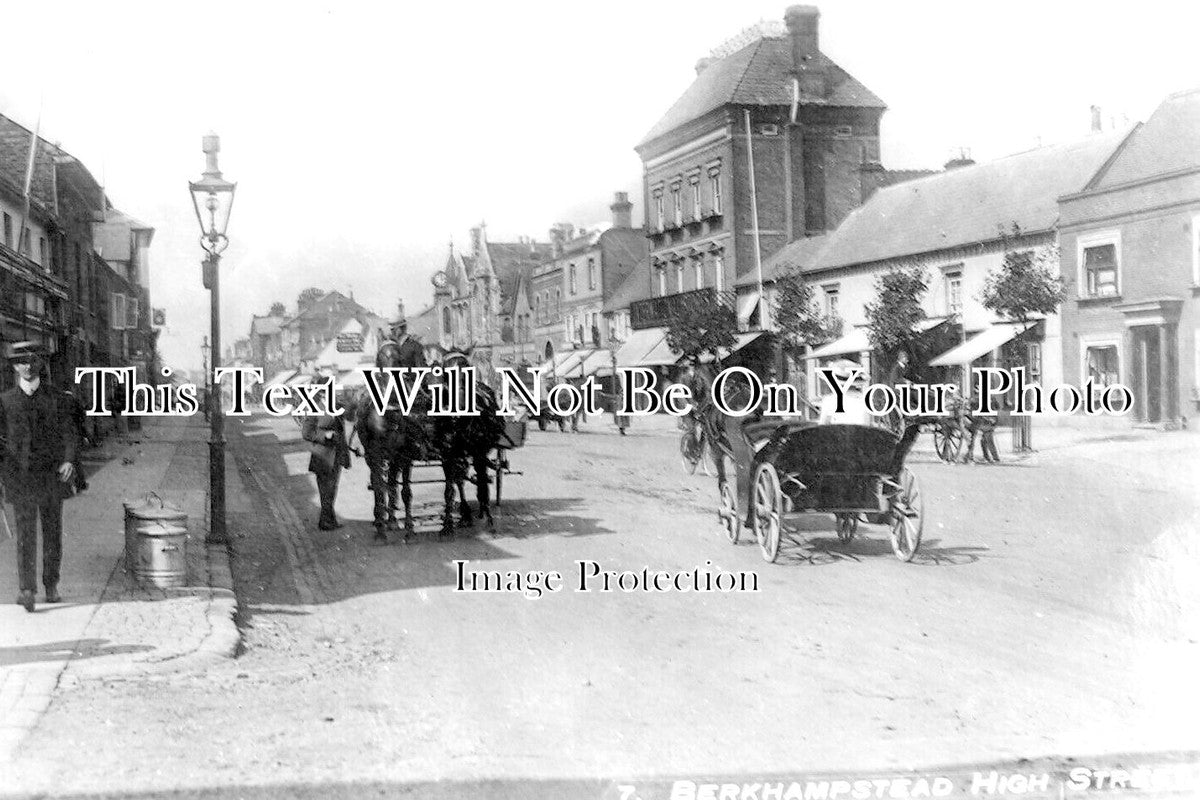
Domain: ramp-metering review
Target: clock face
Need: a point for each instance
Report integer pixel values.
(440, 280)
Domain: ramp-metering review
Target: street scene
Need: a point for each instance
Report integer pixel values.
(884, 485)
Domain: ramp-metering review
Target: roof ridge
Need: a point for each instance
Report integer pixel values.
(737, 87)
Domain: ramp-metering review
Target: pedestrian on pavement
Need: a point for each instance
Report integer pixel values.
(37, 455)
(326, 435)
(79, 419)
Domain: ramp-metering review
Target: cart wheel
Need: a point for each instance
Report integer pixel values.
(731, 519)
(947, 442)
(768, 510)
(847, 526)
(908, 516)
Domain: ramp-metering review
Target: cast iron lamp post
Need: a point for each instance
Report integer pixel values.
(212, 196)
(205, 349)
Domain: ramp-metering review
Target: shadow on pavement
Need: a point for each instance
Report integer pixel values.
(72, 649)
(345, 563)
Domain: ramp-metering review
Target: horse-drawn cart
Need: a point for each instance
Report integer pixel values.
(854, 472)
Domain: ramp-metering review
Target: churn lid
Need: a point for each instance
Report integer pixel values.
(152, 507)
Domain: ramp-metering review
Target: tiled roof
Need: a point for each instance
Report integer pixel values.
(893, 176)
(968, 204)
(1168, 142)
(424, 326)
(509, 259)
(14, 160)
(802, 253)
(266, 326)
(636, 286)
(758, 75)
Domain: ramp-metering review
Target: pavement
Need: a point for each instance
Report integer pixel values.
(109, 627)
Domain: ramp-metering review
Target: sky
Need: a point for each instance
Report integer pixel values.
(365, 136)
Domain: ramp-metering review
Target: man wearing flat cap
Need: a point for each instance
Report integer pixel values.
(37, 454)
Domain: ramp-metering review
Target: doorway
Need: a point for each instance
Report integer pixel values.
(1146, 345)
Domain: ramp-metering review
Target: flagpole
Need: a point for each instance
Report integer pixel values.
(762, 306)
(29, 168)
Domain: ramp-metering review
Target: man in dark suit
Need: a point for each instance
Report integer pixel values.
(407, 351)
(37, 457)
(330, 455)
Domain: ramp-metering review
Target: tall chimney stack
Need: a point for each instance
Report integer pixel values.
(1097, 124)
(803, 24)
(622, 210)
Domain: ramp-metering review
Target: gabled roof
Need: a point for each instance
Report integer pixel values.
(509, 260)
(1168, 142)
(967, 205)
(759, 74)
(803, 253)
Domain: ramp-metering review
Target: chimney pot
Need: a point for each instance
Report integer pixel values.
(1097, 124)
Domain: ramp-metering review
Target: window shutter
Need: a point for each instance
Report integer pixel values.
(117, 307)
(131, 309)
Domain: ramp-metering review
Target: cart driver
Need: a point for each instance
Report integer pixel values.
(854, 411)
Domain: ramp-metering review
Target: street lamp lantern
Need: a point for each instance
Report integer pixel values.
(212, 197)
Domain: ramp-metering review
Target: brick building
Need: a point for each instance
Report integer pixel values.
(76, 278)
(814, 131)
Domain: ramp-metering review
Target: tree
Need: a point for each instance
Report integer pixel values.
(701, 325)
(1025, 285)
(797, 317)
(893, 316)
(309, 296)
(278, 309)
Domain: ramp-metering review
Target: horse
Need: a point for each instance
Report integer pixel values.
(391, 442)
(464, 443)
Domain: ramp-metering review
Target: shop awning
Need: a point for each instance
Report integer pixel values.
(281, 376)
(852, 343)
(745, 307)
(638, 346)
(596, 361)
(980, 344)
(743, 339)
(858, 341)
(661, 356)
(553, 365)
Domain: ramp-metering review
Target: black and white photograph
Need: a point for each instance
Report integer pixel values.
(617, 401)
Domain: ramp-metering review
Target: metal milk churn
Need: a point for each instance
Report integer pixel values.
(156, 542)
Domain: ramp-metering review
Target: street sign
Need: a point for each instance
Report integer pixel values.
(350, 343)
